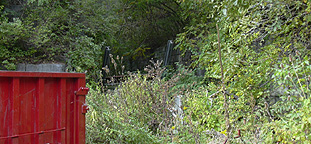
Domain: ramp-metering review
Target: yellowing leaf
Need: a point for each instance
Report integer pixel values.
(224, 132)
(185, 108)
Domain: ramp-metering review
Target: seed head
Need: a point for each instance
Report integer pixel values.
(290, 58)
(297, 53)
(266, 105)
(282, 66)
(106, 69)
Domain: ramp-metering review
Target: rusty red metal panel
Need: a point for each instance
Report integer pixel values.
(40, 108)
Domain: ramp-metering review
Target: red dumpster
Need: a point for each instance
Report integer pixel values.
(42, 108)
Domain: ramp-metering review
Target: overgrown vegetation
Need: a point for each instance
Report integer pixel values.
(257, 40)
(265, 50)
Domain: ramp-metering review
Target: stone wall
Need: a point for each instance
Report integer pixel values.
(41, 67)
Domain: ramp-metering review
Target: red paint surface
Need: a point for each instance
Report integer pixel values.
(40, 108)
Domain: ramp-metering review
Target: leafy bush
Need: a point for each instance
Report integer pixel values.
(106, 124)
(255, 38)
(291, 115)
(141, 102)
(13, 41)
(57, 32)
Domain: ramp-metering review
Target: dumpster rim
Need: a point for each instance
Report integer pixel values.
(41, 74)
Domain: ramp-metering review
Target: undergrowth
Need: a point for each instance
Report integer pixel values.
(144, 108)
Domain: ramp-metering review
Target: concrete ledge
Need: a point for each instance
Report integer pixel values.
(41, 67)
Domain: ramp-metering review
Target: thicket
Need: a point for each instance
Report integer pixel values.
(264, 46)
(76, 32)
(265, 52)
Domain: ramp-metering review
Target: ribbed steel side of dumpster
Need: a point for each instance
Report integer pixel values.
(42, 108)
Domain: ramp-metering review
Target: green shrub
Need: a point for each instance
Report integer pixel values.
(13, 41)
(105, 124)
(135, 111)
